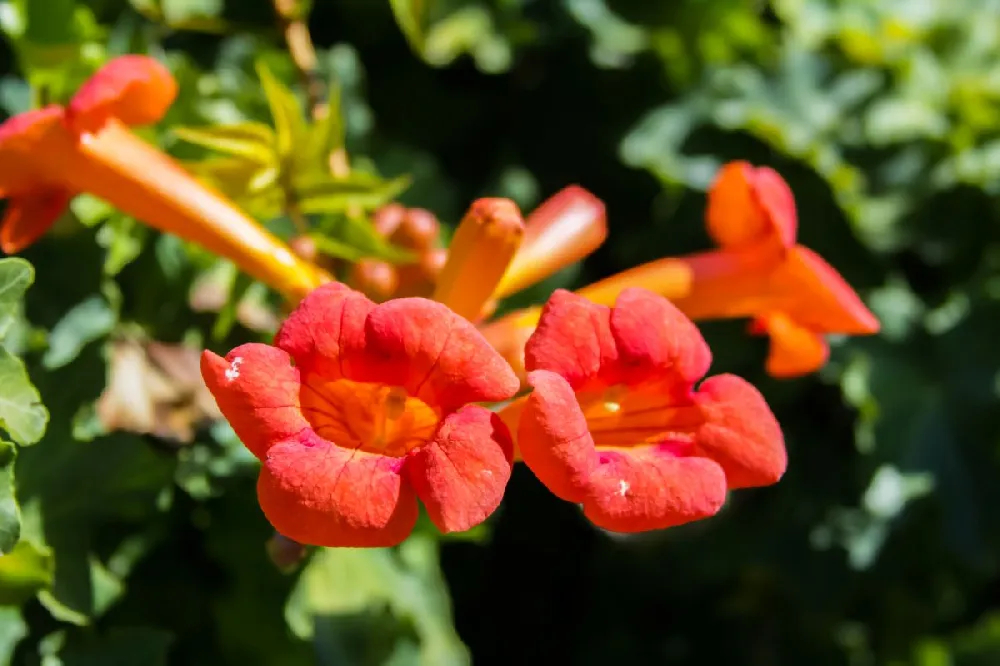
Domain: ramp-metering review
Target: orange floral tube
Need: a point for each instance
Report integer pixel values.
(49, 155)
(481, 250)
(787, 290)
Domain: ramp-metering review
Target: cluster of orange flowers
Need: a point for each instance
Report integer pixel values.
(370, 398)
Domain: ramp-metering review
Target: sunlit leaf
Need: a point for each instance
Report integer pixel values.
(22, 413)
(255, 142)
(84, 323)
(289, 122)
(10, 513)
(340, 195)
(328, 133)
(12, 630)
(412, 17)
(24, 571)
(16, 275)
(347, 597)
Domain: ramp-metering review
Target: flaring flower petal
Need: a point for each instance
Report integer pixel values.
(794, 350)
(740, 432)
(318, 493)
(29, 216)
(778, 203)
(554, 439)
(624, 490)
(573, 339)
(747, 205)
(434, 354)
(461, 474)
(649, 488)
(818, 296)
(654, 339)
(327, 325)
(24, 134)
(135, 89)
(257, 390)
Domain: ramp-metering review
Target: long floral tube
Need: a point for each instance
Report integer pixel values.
(49, 155)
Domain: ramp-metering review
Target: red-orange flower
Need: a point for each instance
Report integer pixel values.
(374, 413)
(49, 155)
(616, 424)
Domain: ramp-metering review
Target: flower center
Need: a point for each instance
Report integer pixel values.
(376, 418)
(622, 417)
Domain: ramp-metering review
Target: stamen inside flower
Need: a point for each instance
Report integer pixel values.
(620, 416)
(376, 418)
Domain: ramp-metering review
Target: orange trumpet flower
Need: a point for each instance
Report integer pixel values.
(617, 423)
(49, 155)
(759, 272)
(360, 409)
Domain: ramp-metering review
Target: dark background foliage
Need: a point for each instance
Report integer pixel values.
(878, 547)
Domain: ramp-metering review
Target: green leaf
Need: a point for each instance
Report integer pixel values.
(50, 22)
(328, 133)
(289, 122)
(413, 16)
(10, 513)
(252, 141)
(22, 413)
(12, 630)
(24, 571)
(333, 196)
(124, 239)
(86, 322)
(16, 275)
(370, 601)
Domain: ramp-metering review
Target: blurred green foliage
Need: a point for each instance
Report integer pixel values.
(879, 547)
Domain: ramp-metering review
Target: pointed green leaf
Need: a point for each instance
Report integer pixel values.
(24, 571)
(329, 133)
(289, 122)
(10, 513)
(85, 322)
(413, 17)
(335, 196)
(124, 239)
(16, 275)
(22, 413)
(334, 248)
(344, 596)
(12, 630)
(255, 142)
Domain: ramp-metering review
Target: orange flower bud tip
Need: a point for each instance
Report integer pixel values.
(134, 89)
(480, 252)
(388, 218)
(376, 279)
(360, 409)
(418, 230)
(567, 227)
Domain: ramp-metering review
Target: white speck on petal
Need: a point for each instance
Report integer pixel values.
(623, 487)
(233, 371)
